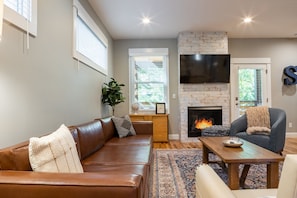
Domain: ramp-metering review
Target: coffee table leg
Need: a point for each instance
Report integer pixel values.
(272, 175)
(233, 176)
(244, 174)
(205, 154)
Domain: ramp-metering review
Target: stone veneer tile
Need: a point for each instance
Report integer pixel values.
(202, 94)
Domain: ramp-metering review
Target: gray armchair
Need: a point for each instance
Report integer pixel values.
(274, 142)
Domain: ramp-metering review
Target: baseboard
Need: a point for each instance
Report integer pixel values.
(173, 136)
(176, 136)
(291, 134)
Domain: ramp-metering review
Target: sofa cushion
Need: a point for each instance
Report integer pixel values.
(74, 134)
(91, 138)
(136, 139)
(258, 139)
(124, 126)
(54, 153)
(121, 154)
(141, 170)
(109, 129)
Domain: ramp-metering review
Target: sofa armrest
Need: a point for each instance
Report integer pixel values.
(143, 127)
(210, 185)
(28, 184)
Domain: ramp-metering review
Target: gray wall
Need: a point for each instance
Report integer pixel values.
(43, 87)
(121, 73)
(283, 52)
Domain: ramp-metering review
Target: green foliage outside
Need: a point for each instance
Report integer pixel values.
(247, 85)
(149, 83)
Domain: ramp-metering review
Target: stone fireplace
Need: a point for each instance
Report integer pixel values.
(200, 118)
(202, 95)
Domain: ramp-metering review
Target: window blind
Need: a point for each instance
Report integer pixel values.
(22, 7)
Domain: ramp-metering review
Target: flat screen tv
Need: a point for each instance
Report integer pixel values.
(205, 68)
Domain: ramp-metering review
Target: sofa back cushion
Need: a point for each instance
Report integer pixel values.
(74, 134)
(109, 129)
(288, 181)
(91, 138)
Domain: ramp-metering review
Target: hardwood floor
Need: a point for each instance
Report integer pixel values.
(290, 145)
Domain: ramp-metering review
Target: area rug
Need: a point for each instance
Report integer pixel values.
(174, 173)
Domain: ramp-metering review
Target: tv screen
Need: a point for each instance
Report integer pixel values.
(205, 68)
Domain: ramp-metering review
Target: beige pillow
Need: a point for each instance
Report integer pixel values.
(258, 120)
(55, 153)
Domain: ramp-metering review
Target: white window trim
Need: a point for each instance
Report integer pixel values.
(148, 52)
(1, 18)
(21, 22)
(78, 10)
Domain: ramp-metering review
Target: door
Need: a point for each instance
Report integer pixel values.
(250, 85)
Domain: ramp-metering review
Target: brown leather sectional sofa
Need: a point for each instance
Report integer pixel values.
(113, 167)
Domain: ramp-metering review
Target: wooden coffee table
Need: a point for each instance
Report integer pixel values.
(247, 154)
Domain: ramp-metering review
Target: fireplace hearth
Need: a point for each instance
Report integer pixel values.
(200, 118)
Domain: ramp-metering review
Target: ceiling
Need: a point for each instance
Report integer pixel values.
(271, 18)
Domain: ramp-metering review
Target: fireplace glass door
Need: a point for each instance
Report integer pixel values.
(200, 118)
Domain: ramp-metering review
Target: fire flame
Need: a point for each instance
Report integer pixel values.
(203, 123)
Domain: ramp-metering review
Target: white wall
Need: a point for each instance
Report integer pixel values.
(43, 87)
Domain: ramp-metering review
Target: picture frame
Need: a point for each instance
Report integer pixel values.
(160, 108)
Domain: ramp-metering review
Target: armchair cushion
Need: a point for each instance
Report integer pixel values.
(55, 153)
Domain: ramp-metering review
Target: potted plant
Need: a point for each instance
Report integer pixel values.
(112, 94)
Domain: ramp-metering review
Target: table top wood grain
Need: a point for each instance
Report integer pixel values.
(248, 153)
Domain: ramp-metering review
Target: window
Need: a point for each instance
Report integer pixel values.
(250, 89)
(22, 13)
(149, 78)
(89, 43)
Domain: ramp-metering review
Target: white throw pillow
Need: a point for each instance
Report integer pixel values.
(55, 152)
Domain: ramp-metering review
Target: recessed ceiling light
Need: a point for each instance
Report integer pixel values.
(247, 20)
(146, 20)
